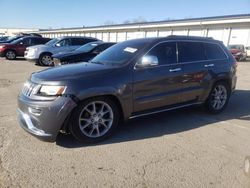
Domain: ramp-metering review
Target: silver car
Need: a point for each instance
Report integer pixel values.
(41, 54)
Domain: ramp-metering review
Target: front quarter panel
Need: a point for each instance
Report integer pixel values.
(117, 84)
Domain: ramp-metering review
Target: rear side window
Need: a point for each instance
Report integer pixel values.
(191, 51)
(214, 51)
(165, 52)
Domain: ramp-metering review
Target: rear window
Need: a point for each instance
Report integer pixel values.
(191, 51)
(214, 51)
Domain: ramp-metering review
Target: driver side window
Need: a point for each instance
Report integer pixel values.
(165, 52)
(64, 42)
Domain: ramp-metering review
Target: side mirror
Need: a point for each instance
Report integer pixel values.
(21, 43)
(58, 45)
(148, 61)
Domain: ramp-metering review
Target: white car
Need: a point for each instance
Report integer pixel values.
(41, 54)
(248, 51)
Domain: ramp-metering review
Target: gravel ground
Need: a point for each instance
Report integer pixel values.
(183, 148)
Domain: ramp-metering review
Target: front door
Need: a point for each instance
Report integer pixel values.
(160, 85)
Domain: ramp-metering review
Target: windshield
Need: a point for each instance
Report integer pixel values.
(237, 47)
(13, 38)
(52, 42)
(120, 53)
(16, 41)
(88, 47)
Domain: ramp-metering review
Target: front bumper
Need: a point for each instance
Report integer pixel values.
(30, 57)
(44, 119)
(2, 54)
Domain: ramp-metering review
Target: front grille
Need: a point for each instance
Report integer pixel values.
(30, 88)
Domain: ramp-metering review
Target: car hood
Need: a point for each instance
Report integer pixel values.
(6, 44)
(70, 72)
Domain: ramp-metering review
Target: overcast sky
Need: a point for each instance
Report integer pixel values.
(76, 13)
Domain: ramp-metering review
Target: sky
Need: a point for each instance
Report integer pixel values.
(46, 14)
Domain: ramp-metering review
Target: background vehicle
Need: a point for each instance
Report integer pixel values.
(248, 51)
(238, 51)
(42, 54)
(130, 79)
(82, 54)
(17, 47)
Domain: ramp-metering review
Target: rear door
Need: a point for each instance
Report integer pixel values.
(191, 55)
(159, 85)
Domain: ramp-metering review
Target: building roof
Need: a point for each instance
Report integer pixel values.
(201, 20)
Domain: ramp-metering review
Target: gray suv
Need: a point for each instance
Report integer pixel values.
(41, 54)
(130, 79)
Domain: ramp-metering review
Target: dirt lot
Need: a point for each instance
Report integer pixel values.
(184, 148)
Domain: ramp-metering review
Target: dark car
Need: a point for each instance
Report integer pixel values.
(18, 47)
(238, 51)
(82, 54)
(128, 80)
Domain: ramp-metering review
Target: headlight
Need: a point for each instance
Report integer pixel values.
(239, 53)
(32, 51)
(52, 90)
(1, 47)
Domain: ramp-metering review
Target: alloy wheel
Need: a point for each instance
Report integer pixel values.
(219, 97)
(46, 60)
(96, 119)
(10, 55)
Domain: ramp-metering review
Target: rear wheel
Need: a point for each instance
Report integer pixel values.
(218, 98)
(10, 54)
(45, 59)
(94, 119)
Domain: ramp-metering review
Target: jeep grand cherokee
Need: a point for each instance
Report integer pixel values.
(130, 79)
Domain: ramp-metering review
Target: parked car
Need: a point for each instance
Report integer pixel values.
(42, 54)
(238, 51)
(82, 54)
(248, 51)
(18, 47)
(128, 80)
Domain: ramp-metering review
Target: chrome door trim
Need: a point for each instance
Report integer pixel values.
(165, 110)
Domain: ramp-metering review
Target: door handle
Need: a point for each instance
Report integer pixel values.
(209, 65)
(175, 70)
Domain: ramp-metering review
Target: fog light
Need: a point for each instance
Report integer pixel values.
(35, 111)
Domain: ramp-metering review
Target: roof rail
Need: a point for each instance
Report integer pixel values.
(189, 37)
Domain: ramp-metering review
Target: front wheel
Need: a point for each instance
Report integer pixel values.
(94, 119)
(218, 98)
(45, 59)
(10, 55)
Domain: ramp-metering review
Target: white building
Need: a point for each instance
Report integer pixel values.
(14, 31)
(233, 29)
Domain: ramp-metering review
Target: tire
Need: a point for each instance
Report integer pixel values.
(10, 54)
(218, 98)
(92, 125)
(45, 59)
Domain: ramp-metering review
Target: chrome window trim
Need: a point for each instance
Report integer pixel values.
(177, 54)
